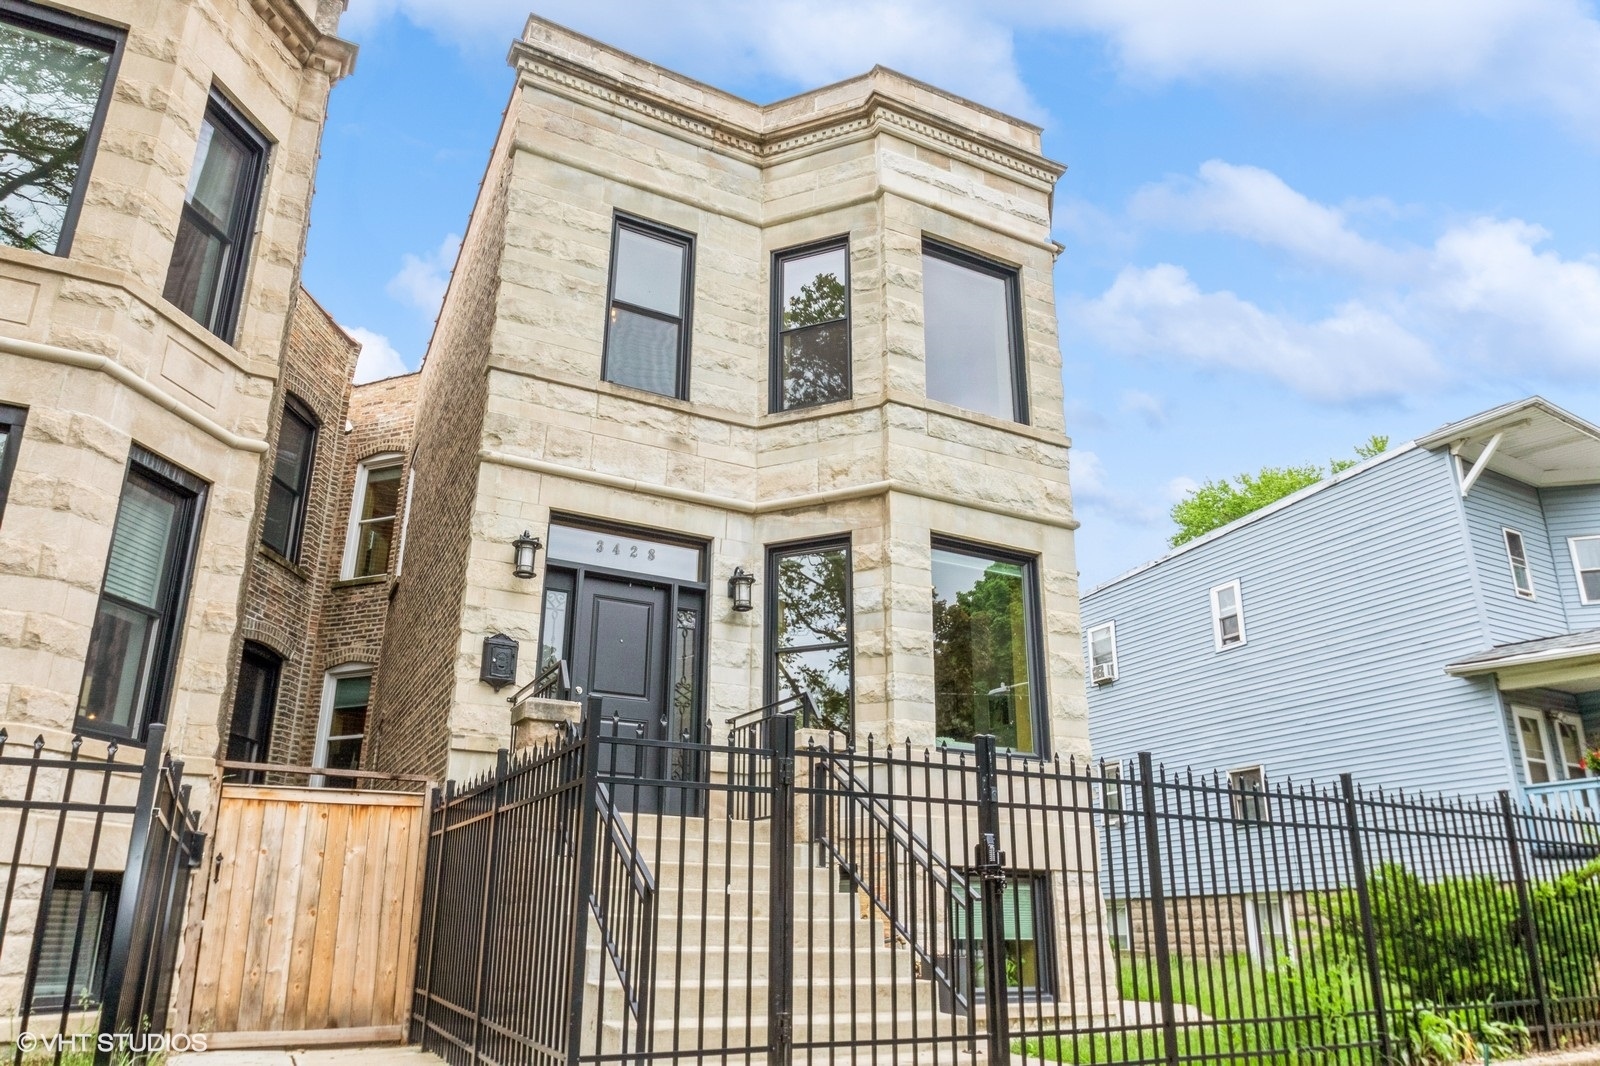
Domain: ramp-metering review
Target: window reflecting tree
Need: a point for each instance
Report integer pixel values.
(980, 651)
(814, 329)
(813, 634)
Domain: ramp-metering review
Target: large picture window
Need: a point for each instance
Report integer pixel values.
(812, 349)
(809, 602)
(973, 333)
(985, 636)
(54, 73)
(12, 419)
(647, 326)
(375, 503)
(206, 276)
(133, 646)
(291, 480)
(255, 699)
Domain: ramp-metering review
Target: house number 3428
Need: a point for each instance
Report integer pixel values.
(623, 549)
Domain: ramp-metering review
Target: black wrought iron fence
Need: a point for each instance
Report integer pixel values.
(832, 901)
(96, 878)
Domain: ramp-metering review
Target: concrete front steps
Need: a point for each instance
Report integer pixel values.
(853, 985)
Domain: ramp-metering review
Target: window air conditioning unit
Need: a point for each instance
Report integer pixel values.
(1103, 674)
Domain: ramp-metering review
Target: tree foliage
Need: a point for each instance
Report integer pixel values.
(1216, 503)
(47, 104)
(814, 631)
(815, 345)
(977, 642)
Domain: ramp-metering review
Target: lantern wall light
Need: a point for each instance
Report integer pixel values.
(527, 553)
(739, 585)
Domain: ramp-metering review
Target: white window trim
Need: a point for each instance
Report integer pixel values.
(1112, 627)
(1577, 570)
(404, 518)
(1257, 938)
(1216, 616)
(1260, 770)
(1537, 718)
(352, 535)
(1506, 533)
(330, 682)
(1583, 743)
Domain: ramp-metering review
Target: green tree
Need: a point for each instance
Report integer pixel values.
(1216, 503)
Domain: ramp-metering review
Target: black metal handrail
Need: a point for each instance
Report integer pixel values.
(554, 682)
(852, 837)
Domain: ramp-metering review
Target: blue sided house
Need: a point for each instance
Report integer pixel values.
(1428, 620)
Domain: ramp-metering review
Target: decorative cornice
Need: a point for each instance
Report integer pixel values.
(309, 45)
(766, 148)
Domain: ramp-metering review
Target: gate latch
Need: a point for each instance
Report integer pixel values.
(989, 859)
(783, 770)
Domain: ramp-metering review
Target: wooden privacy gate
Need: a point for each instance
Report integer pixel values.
(309, 930)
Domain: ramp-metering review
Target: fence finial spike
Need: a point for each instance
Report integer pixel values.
(38, 744)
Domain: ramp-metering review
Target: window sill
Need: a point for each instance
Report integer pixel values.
(357, 582)
(283, 561)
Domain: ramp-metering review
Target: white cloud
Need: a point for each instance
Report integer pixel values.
(378, 359)
(1483, 298)
(421, 280)
(1147, 407)
(1482, 53)
(1091, 489)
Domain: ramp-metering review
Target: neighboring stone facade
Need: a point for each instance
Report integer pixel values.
(102, 361)
(516, 425)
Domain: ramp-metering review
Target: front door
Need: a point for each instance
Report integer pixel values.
(621, 657)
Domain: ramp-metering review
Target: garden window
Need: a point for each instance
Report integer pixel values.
(973, 335)
(206, 275)
(374, 505)
(55, 70)
(809, 602)
(647, 327)
(1586, 562)
(1521, 575)
(985, 647)
(12, 420)
(811, 353)
(254, 702)
(1227, 615)
(134, 643)
(291, 481)
(1103, 654)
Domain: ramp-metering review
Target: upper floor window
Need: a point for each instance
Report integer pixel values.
(206, 276)
(647, 328)
(291, 480)
(1521, 575)
(133, 647)
(1227, 615)
(1103, 653)
(255, 701)
(812, 349)
(1247, 789)
(1586, 561)
(54, 70)
(374, 506)
(973, 328)
(985, 647)
(12, 420)
(810, 604)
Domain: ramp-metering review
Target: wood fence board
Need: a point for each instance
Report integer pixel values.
(319, 990)
(262, 891)
(305, 929)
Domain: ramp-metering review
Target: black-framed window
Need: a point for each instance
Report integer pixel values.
(55, 70)
(811, 325)
(647, 321)
(987, 646)
(972, 322)
(133, 647)
(72, 963)
(1030, 948)
(206, 276)
(12, 420)
(809, 612)
(291, 480)
(255, 700)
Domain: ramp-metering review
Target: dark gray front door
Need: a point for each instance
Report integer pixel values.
(621, 658)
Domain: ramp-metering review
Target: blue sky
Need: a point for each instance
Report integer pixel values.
(1287, 226)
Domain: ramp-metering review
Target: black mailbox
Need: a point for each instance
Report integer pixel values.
(499, 665)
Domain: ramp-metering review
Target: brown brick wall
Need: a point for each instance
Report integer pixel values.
(413, 697)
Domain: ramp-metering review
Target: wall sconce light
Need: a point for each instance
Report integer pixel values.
(527, 548)
(739, 586)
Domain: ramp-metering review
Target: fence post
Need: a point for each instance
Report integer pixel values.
(990, 862)
(116, 1011)
(1158, 906)
(1530, 931)
(1369, 933)
(780, 736)
(502, 769)
(583, 883)
(437, 808)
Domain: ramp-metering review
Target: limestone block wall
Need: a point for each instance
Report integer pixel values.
(102, 361)
(591, 132)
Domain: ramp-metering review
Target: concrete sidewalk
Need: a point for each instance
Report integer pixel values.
(384, 1055)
